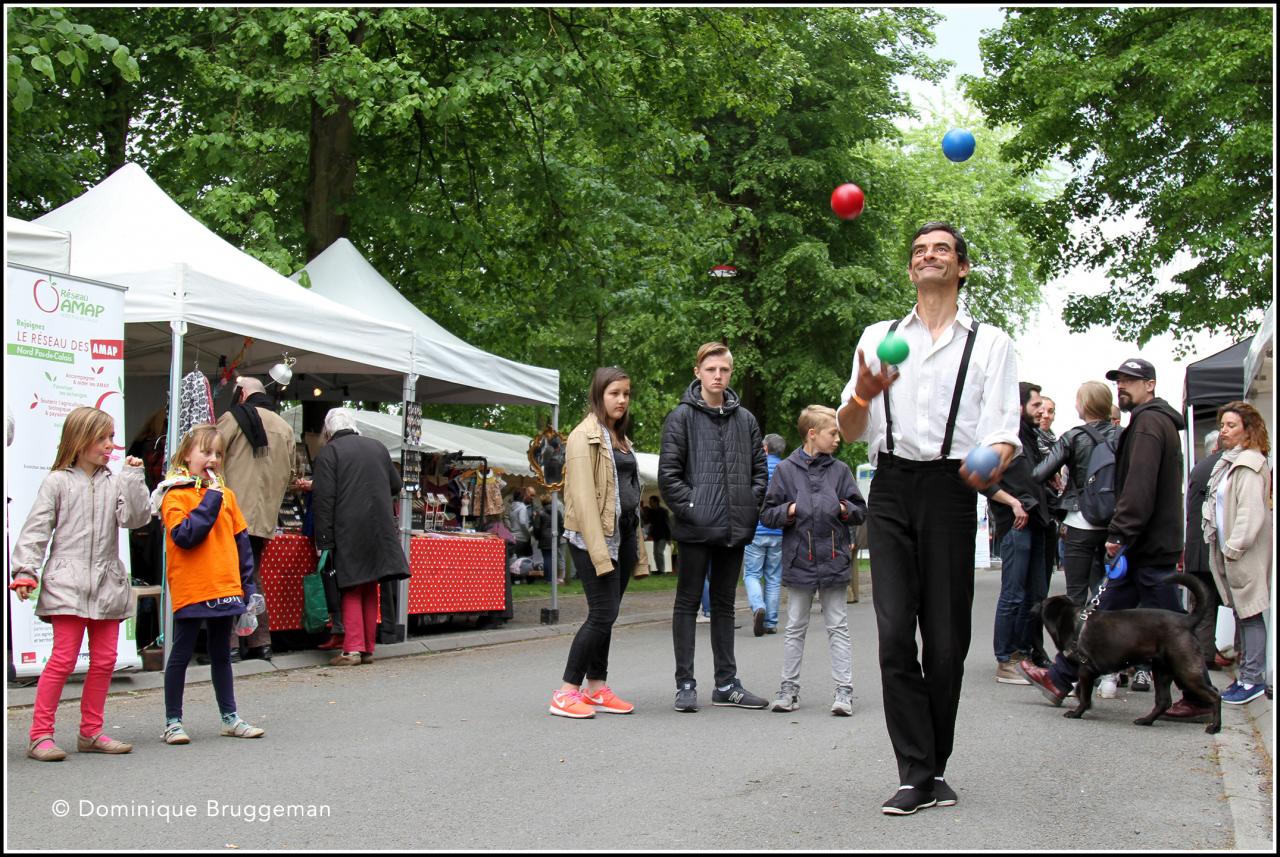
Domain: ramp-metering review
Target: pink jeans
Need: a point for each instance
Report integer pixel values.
(68, 632)
(360, 615)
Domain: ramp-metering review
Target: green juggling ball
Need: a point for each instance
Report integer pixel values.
(893, 349)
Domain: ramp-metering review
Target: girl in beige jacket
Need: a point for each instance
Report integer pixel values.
(1236, 522)
(602, 525)
(80, 507)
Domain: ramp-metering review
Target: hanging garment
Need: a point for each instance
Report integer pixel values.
(196, 402)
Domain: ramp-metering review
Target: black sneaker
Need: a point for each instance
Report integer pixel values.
(758, 626)
(1141, 681)
(737, 696)
(943, 793)
(687, 697)
(907, 800)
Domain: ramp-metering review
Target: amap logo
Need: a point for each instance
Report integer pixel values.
(50, 296)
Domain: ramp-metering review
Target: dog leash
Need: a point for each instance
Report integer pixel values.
(1116, 569)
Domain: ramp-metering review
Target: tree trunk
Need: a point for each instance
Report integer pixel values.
(115, 124)
(331, 169)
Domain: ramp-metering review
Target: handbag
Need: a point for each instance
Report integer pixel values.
(315, 608)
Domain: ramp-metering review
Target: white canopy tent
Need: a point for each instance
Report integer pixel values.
(129, 231)
(449, 368)
(36, 246)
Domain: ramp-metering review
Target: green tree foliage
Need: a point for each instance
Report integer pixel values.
(1165, 113)
(553, 184)
(64, 83)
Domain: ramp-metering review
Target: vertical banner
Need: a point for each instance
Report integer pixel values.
(64, 348)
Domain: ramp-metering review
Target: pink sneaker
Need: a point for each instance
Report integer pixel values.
(569, 703)
(605, 700)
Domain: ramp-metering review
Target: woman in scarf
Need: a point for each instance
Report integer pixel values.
(1236, 522)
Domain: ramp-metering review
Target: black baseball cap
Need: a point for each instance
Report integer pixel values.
(1135, 367)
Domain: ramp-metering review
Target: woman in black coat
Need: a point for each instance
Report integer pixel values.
(353, 486)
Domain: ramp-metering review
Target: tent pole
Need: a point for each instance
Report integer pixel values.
(406, 518)
(1189, 459)
(555, 531)
(179, 329)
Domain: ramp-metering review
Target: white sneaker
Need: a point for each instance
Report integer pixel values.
(1107, 686)
(703, 619)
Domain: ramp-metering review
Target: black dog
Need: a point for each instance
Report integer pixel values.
(1118, 639)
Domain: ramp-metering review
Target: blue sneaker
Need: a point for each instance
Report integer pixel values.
(1242, 693)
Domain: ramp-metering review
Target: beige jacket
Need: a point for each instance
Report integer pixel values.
(82, 517)
(1241, 557)
(589, 496)
(259, 483)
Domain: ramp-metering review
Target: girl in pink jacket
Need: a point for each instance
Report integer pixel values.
(81, 507)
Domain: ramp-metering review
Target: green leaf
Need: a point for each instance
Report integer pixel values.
(44, 65)
(65, 57)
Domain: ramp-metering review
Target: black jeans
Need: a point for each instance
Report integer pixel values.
(724, 565)
(589, 653)
(922, 521)
(1083, 561)
(185, 632)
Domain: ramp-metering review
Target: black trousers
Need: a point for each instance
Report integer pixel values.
(1084, 562)
(922, 523)
(589, 653)
(724, 565)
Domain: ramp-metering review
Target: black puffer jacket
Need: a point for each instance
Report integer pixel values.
(712, 471)
(1073, 449)
(815, 543)
(351, 493)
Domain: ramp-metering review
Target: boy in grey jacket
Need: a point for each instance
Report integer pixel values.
(814, 500)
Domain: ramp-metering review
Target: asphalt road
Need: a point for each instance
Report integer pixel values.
(457, 751)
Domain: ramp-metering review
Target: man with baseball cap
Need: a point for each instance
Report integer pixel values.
(1147, 523)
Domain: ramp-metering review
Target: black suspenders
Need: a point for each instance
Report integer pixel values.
(955, 397)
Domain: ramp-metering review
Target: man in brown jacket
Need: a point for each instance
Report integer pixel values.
(257, 465)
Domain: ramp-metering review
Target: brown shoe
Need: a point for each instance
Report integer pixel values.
(43, 749)
(366, 658)
(1185, 710)
(101, 743)
(346, 659)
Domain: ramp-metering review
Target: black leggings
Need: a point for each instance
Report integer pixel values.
(185, 632)
(589, 654)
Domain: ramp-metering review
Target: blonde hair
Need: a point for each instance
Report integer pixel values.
(83, 427)
(713, 349)
(1095, 400)
(814, 417)
(205, 437)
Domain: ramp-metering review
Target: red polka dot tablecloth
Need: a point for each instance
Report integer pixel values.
(458, 574)
(286, 558)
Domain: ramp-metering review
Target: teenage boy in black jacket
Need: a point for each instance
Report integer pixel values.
(712, 474)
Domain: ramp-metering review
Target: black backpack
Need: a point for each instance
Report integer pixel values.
(1098, 494)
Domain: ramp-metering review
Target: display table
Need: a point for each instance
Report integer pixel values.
(449, 574)
(456, 574)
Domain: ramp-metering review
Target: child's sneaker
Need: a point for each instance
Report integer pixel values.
(605, 700)
(569, 703)
(239, 728)
(843, 704)
(175, 734)
(788, 697)
(1107, 686)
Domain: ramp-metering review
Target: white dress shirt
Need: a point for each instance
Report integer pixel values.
(989, 404)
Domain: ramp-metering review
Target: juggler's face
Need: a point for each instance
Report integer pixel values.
(934, 261)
